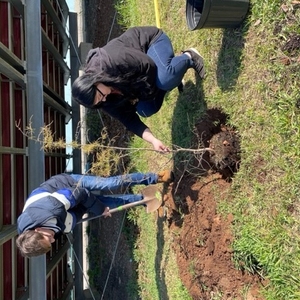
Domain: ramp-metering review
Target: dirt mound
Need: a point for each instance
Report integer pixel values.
(203, 246)
(292, 44)
(226, 151)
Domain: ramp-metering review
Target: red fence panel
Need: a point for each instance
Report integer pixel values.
(7, 266)
(4, 23)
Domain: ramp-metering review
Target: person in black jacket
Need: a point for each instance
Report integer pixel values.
(60, 202)
(130, 76)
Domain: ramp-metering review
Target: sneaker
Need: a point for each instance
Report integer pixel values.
(165, 176)
(198, 61)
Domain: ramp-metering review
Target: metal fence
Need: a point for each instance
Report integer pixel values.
(25, 103)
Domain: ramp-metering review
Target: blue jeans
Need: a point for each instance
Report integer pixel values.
(170, 71)
(113, 183)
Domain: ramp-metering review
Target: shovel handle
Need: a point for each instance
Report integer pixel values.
(128, 205)
(119, 208)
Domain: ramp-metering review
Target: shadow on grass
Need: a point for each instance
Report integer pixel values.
(190, 107)
(230, 57)
(160, 272)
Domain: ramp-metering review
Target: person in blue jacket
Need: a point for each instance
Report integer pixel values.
(60, 202)
(130, 76)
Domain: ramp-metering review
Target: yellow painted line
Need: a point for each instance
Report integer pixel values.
(157, 16)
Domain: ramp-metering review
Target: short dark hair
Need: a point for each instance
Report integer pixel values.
(83, 90)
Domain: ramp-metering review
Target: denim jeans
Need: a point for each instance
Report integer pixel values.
(113, 183)
(170, 68)
(170, 71)
(113, 201)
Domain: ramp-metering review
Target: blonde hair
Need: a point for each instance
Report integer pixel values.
(32, 243)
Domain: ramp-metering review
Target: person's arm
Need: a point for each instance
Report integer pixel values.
(76, 213)
(127, 115)
(156, 143)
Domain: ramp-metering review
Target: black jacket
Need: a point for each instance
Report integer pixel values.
(123, 64)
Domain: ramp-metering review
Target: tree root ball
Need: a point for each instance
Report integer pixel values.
(226, 150)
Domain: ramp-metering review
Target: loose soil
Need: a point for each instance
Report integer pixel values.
(203, 248)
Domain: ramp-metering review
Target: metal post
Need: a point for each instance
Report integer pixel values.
(77, 232)
(35, 112)
(75, 64)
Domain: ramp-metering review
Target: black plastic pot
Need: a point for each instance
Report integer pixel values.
(215, 13)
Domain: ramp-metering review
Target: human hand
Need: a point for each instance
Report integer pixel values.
(156, 143)
(160, 147)
(106, 212)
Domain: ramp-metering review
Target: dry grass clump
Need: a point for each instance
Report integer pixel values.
(105, 159)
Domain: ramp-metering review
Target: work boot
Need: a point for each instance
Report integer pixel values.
(165, 176)
(198, 61)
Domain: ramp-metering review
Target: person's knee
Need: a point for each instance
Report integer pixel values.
(146, 112)
(168, 83)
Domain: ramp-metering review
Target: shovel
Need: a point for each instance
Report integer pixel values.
(151, 195)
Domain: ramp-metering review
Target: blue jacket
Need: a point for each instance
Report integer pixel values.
(59, 198)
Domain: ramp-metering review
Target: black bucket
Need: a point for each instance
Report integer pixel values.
(215, 13)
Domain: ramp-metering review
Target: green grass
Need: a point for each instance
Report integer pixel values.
(157, 270)
(247, 79)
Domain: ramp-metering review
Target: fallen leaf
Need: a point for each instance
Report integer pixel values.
(285, 60)
(257, 23)
(284, 7)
